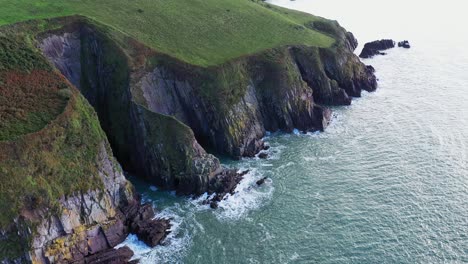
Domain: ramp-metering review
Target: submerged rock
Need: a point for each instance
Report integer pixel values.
(213, 204)
(261, 181)
(222, 185)
(263, 155)
(374, 48)
(404, 44)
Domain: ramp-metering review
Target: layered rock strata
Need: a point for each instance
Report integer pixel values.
(160, 114)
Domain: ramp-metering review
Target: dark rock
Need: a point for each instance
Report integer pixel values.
(141, 222)
(266, 147)
(261, 181)
(223, 184)
(370, 69)
(404, 44)
(263, 155)
(374, 48)
(213, 205)
(253, 148)
(110, 256)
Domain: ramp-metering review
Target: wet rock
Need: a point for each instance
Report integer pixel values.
(263, 155)
(261, 181)
(404, 44)
(213, 205)
(110, 256)
(142, 223)
(374, 48)
(266, 147)
(223, 184)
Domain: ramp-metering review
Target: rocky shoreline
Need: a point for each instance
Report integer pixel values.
(160, 115)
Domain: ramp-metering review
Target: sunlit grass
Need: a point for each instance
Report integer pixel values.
(201, 32)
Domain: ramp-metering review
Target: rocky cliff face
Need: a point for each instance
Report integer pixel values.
(76, 202)
(152, 145)
(229, 107)
(88, 223)
(158, 112)
(159, 115)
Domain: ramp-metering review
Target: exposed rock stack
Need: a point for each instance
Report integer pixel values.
(140, 221)
(375, 48)
(404, 44)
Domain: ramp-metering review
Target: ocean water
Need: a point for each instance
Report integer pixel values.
(386, 183)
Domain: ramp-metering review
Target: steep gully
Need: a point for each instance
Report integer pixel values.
(158, 112)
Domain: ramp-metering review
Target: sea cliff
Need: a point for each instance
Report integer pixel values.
(158, 115)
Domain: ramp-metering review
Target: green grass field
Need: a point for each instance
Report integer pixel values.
(200, 32)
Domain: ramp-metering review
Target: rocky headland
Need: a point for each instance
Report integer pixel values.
(157, 115)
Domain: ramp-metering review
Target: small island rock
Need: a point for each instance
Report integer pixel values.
(404, 44)
(374, 48)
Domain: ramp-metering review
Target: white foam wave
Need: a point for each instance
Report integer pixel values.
(173, 248)
(247, 197)
(138, 247)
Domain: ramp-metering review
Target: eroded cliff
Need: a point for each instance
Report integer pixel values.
(63, 195)
(229, 107)
(159, 114)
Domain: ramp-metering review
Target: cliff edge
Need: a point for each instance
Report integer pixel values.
(75, 92)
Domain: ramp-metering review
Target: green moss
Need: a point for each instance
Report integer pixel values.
(17, 54)
(173, 139)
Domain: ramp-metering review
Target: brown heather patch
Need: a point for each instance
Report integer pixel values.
(28, 101)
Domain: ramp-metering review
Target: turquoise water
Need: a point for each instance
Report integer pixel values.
(386, 183)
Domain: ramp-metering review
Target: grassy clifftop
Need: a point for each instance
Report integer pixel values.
(200, 32)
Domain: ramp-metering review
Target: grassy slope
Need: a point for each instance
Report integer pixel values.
(49, 137)
(201, 32)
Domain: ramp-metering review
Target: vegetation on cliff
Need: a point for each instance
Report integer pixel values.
(49, 138)
(200, 32)
(162, 76)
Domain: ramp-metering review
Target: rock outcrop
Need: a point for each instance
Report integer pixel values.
(86, 227)
(153, 145)
(159, 115)
(375, 48)
(111, 256)
(64, 196)
(89, 225)
(158, 112)
(404, 44)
